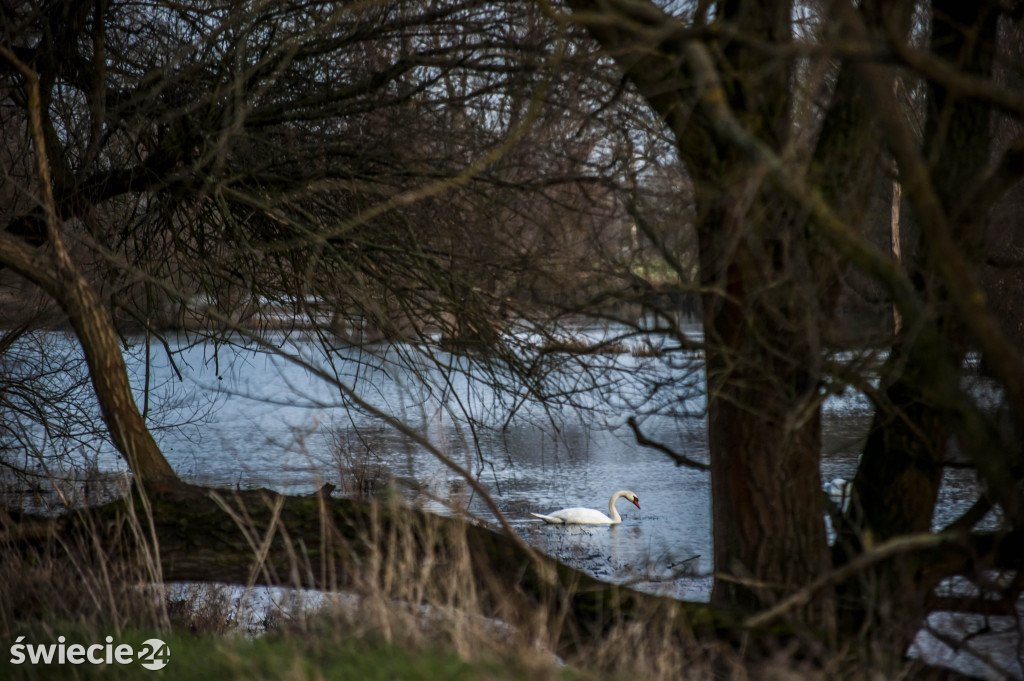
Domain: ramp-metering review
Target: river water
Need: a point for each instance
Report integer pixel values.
(266, 421)
(261, 420)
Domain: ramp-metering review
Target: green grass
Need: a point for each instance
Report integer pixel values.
(270, 658)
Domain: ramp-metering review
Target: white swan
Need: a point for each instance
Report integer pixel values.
(589, 516)
(841, 492)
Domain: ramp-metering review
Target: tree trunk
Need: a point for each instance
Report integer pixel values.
(762, 333)
(760, 314)
(95, 332)
(898, 480)
(901, 469)
(763, 422)
(55, 272)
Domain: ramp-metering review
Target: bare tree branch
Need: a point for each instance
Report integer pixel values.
(680, 459)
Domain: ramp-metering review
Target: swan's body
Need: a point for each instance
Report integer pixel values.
(589, 516)
(841, 491)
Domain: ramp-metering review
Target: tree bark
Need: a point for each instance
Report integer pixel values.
(898, 480)
(95, 332)
(761, 325)
(55, 272)
(760, 313)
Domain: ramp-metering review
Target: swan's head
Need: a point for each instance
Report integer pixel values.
(635, 499)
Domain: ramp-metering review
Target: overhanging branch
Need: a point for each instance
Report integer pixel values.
(680, 459)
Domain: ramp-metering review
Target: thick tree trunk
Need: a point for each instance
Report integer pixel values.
(764, 424)
(761, 321)
(768, 541)
(762, 331)
(898, 480)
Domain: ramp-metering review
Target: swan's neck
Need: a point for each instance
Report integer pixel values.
(613, 513)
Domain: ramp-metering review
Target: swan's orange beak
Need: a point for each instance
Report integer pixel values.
(636, 502)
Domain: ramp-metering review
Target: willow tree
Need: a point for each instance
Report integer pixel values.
(384, 170)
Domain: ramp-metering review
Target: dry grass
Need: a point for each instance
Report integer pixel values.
(412, 587)
(72, 580)
(415, 592)
(357, 457)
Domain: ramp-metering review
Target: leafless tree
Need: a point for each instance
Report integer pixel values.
(407, 170)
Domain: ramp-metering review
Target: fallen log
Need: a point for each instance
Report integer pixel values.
(259, 537)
